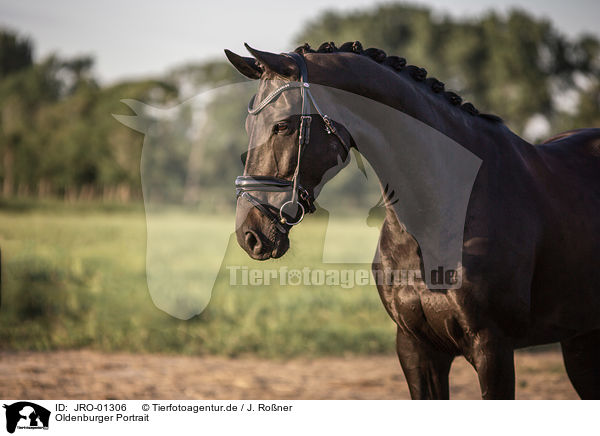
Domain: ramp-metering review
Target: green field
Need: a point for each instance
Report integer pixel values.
(75, 277)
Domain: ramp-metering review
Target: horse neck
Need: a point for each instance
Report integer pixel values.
(427, 151)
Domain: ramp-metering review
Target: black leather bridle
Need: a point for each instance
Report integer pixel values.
(301, 198)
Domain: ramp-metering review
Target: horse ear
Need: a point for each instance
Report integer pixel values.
(247, 66)
(142, 119)
(280, 64)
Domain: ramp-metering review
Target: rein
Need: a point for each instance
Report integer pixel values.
(301, 200)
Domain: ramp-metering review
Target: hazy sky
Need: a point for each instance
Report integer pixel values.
(134, 38)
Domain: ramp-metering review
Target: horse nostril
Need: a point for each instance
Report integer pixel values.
(253, 242)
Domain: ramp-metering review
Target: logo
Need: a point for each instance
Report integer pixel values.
(26, 415)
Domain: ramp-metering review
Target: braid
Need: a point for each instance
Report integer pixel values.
(399, 64)
(327, 47)
(417, 73)
(376, 54)
(468, 107)
(303, 49)
(453, 98)
(435, 85)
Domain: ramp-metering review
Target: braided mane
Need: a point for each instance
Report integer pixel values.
(398, 64)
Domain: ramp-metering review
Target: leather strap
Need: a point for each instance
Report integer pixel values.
(300, 196)
(266, 212)
(269, 98)
(272, 184)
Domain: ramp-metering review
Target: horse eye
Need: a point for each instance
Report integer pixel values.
(280, 126)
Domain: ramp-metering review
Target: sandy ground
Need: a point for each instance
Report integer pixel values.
(94, 375)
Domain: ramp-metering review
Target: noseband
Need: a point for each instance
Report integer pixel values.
(301, 200)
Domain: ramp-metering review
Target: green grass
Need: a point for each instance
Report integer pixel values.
(76, 277)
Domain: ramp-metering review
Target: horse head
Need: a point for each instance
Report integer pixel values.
(293, 151)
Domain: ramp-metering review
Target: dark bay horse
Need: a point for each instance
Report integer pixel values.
(531, 239)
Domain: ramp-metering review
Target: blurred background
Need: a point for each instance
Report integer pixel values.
(72, 223)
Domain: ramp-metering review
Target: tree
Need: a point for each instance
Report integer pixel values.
(15, 53)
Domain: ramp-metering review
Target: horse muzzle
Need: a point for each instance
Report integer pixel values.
(257, 235)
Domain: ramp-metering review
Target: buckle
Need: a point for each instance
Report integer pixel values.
(304, 129)
(328, 125)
